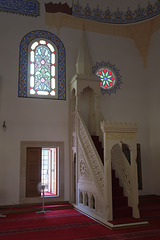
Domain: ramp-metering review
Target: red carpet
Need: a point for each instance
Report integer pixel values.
(70, 224)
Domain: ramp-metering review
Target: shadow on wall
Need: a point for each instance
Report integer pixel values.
(2, 121)
(3, 197)
(1, 87)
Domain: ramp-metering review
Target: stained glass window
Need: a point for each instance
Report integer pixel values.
(109, 75)
(42, 69)
(42, 66)
(107, 78)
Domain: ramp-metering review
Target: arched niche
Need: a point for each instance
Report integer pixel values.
(73, 100)
(80, 197)
(86, 199)
(92, 202)
(87, 108)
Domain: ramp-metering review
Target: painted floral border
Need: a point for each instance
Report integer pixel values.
(24, 7)
(117, 17)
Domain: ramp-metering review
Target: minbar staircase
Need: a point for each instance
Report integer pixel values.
(121, 209)
(120, 202)
(98, 146)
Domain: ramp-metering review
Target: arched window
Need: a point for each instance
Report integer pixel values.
(42, 68)
(42, 71)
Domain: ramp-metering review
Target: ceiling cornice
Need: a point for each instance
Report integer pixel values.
(140, 33)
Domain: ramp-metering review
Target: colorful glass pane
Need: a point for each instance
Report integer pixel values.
(107, 78)
(58, 59)
(42, 69)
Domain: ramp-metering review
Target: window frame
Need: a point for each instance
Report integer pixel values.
(24, 63)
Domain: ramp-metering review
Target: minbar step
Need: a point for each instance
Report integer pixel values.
(122, 212)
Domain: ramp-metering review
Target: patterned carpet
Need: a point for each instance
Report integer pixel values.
(70, 224)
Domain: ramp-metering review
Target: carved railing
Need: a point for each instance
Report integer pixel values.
(123, 170)
(90, 151)
(90, 171)
(94, 179)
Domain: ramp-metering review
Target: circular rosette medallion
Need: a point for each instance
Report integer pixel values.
(107, 78)
(110, 78)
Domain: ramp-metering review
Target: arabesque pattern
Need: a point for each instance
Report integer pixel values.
(91, 156)
(117, 17)
(25, 7)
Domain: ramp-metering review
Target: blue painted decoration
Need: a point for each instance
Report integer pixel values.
(117, 17)
(25, 7)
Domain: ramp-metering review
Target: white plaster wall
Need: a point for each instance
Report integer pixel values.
(47, 120)
(130, 103)
(26, 119)
(154, 110)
